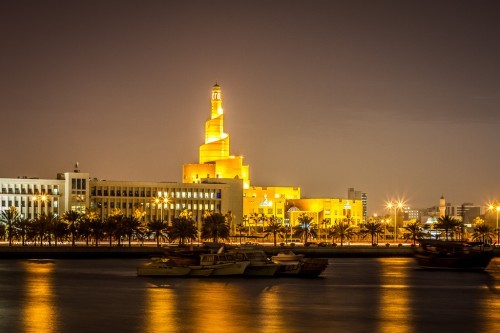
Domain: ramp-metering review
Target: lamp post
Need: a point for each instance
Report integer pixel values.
(395, 205)
(161, 201)
(496, 207)
(39, 199)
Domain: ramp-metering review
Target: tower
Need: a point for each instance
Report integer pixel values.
(215, 160)
(442, 207)
(216, 145)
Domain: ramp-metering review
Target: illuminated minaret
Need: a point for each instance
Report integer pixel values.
(215, 160)
(216, 145)
(442, 207)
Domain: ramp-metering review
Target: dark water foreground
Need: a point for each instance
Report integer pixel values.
(354, 295)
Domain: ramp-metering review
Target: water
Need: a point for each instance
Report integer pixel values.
(354, 295)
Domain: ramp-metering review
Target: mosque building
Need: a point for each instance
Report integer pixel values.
(216, 164)
(218, 182)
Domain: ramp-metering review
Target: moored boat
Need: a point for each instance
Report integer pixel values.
(223, 264)
(456, 255)
(296, 265)
(259, 265)
(162, 267)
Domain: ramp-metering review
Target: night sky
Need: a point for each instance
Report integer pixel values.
(394, 98)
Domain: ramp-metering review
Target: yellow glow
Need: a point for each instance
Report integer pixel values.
(214, 154)
(394, 301)
(161, 313)
(39, 310)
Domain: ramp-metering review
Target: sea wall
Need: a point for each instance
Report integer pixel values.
(103, 252)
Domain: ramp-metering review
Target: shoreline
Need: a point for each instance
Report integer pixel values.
(144, 252)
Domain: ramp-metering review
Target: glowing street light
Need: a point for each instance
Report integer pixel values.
(496, 207)
(161, 201)
(39, 198)
(395, 205)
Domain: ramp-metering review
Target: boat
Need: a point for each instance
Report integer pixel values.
(223, 264)
(457, 255)
(259, 265)
(162, 267)
(292, 264)
(199, 270)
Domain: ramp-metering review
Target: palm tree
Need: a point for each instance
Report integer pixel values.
(72, 217)
(183, 228)
(305, 227)
(85, 228)
(414, 231)
(131, 226)
(97, 227)
(158, 228)
(481, 232)
(214, 226)
(447, 223)
(341, 230)
(257, 218)
(22, 229)
(9, 217)
(110, 226)
(241, 228)
(374, 229)
(40, 226)
(60, 229)
(274, 227)
(2, 231)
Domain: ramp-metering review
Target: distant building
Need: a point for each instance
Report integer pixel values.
(465, 212)
(358, 195)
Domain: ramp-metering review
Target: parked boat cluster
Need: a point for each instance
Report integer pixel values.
(236, 262)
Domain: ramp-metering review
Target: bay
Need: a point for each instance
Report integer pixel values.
(353, 295)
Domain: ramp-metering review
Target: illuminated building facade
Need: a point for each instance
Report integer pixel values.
(76, 191)
(268, 201)
(33, 196)
(327, 211)
(215, 160)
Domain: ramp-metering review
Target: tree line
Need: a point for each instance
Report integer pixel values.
(116, 229)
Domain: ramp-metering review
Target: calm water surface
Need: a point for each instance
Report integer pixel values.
(354, 295)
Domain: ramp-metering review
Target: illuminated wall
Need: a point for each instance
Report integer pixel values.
(214, 158)
(329, 209)
(269, 200)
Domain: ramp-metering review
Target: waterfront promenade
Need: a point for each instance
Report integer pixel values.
(146, 251)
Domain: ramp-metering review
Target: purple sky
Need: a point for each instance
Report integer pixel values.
(394, 98)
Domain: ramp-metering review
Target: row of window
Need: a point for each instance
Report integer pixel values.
(10, 203)
(30, 190)
(148, 194)
(177, 206)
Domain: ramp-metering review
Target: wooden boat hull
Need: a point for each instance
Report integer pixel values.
(472, 262)
(454, 255)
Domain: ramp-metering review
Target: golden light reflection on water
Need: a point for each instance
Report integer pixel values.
(394, 307)
(218, 308)
(39, 312)
(160, 311)
(272, 314)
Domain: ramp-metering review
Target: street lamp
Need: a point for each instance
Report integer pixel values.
(395, 205)
(496, 207)
(162, 201)
(39, 198)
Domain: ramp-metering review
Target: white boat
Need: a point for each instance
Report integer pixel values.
(260, 265)
(162, 267)
(287, 256)
(223, 264)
